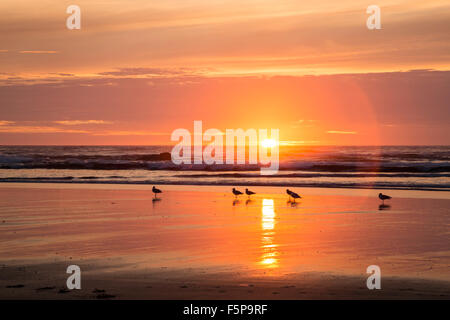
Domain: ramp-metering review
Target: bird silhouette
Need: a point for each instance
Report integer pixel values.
(383, 197)
(294, 195)
(156, 191)
(248, 192)
(289, 192)
(236, 192)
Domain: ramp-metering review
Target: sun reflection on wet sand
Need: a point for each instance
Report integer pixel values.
(269, 256)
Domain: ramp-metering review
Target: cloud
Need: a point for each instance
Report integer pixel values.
(37, 129)
(9, 127)
(340, 103)
(80, 122)
(64, 74)
(6, 123)
(148, 72)
(280, 36)
(38, 51)
(297, 142)
(341, 132)
(130, 133)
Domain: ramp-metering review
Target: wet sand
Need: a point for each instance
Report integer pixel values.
(199, 243)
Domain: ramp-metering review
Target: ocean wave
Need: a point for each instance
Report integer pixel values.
(317, 175)
(350, 167)
(311, 166)
(432, 159)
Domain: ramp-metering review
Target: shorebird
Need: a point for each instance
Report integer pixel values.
(156, 191)
(295, 195)
(289, 192)
(248, 192)
(236, 192)
(383, 197)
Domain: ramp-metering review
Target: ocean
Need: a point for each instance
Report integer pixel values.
(389, 167)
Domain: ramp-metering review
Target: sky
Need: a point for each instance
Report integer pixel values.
(139, 69)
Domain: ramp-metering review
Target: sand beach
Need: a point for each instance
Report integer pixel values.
(199, 242)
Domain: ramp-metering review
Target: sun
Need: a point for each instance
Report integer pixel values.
(268, 143)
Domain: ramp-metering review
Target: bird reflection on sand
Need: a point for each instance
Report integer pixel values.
(294, 204)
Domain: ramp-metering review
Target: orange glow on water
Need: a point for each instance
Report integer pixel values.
(268, 258)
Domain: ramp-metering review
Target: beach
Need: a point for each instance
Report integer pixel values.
(199, 242)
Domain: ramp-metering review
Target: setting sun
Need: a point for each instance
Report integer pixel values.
(268, 143)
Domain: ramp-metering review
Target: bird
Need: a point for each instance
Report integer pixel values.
(248, 192)
(383, 197)
(289, 192)
(295, 195)
(156, 191)
(236, 192)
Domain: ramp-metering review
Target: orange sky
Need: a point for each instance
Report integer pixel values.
(137, 70)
